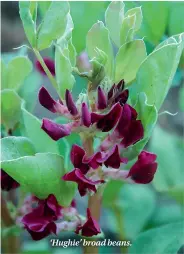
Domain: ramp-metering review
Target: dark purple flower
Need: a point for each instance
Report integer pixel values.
(82, 161)
(50, 65)
(90, 227)
(40, 221)
(54, 130)
(102, 99)
(144, 169)
(122, 97)
(47, 101)
(112, 158)
(38, 227)
(84, 183)
(86, 116)
(128, 128)
(76, 155)
(70, 103)
(108, 121)
(7, 182)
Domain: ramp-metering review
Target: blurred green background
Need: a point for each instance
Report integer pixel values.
(143, 207)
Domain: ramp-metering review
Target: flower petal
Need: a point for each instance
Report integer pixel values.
(106, 122)
(86, 116)
(144, 169)
(70, 103)
(50, 65)
(76, 155)
(46, 100)
(102, 99)
(54, 130)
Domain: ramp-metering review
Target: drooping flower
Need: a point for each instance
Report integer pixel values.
(49, 63)
(54, 130)
(7, 182)
(90, 227)
(106, 122)
(80, 160)
(144, 169)
(84, 183)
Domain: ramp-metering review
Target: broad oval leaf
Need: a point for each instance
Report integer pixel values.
(18, 69)
(138, 13)
(27, 21)
(98, 38)
(10, 108)
(156, 73)
(128, 60)
(41, 141)
(41, 175)
(53, 24)
(16, 147)
(113, 19)
(166, 239)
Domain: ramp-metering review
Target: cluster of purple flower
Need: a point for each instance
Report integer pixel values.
(110, 114)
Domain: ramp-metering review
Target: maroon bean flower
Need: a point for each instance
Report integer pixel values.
(40, 221)
(108, 121)
(90, 227)
(54, 130)
(70, 103)
(84, 183)
(101, 99)
(50, 65)
(7, 182)
(85, 115)
(128, 128)
(144, 169)
(112, 158)
(81, 161)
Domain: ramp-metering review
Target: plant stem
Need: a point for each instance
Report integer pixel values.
(94, 202)
(120, 226)
(44, 66)
(11, 243)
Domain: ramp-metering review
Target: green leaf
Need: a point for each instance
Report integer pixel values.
(130, 24)
(113, 19)
(176, 23)
(15, 147)
(41, 175)
(4, 73)
(137, 205)
(128, 60)
(156, 73)
(166, 239)
(65, 79)
(43, 7)
(18, 69)
(28, 22)
(148, 115)
(53, 24)
(155, 20)
(138, 14)
(111, 192)
(29, 90)
(98, 38)
(85, 14)
(169, 177)
(10, 108)
(181, 97)
(41, 141)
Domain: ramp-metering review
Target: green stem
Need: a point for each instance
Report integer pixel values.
(120, 225)
(44, 66)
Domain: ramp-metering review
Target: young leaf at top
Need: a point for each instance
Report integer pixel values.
(16, 147)
(156, 73)
(166, 239)
(113, 19)
(10, 108)
(41, 175)
(53, 24)
(28, 21)
(131, 23)
(65, 59)
(41, 141)
(98, 38)
(128, 60)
